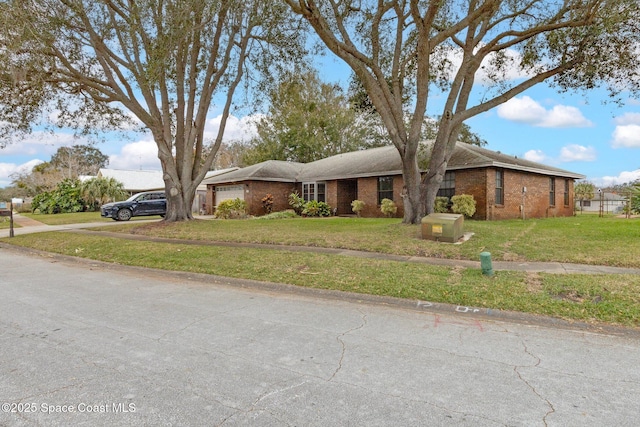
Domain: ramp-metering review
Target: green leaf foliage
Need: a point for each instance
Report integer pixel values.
(315, 208)
(357, 206)
(441, 205)
(388, 207)
(463, 204)
(98, 191)
(65, 198)
(231, 209)
(307, 120)
(296, 202)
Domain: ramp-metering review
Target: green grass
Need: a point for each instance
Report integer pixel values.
(77, 218)
(5, 222)
(67, 218)
(584, 239)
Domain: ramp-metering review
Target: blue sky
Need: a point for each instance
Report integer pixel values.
(569, 131)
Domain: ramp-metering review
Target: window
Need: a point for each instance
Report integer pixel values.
(499, 187)
(314, 191)
(566, 192)
(552, 191)
(385, 188)
(448, 185)
(307, 191)
(320, 191)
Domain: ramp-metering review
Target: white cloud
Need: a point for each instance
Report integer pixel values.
(523, 110)
(577, 153)
(509, 63)
(535, 156)
(569, 153)
(40, 143)
(628, 119)
(526, 110)
(236, 128)
(8, 169)
(141, 155)
(622, 178)
(626, 136)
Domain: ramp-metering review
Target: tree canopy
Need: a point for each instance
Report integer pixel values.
(79, 160)
(307, 120)
(67, 163)
(478, 54)
(584, 191)
(97, 63)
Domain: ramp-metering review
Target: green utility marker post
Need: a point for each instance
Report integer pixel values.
(485, 263)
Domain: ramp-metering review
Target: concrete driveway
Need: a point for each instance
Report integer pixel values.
(82, 343)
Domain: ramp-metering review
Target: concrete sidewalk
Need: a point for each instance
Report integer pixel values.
(32, 226)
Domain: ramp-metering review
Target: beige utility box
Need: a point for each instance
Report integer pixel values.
(443, 227)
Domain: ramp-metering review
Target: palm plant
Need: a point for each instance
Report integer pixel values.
(98, 191)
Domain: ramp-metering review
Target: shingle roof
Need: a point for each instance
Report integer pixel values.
(378, 162)
(468, 156)
(271, 170)
(373, 162)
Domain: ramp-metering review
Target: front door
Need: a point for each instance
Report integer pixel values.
(347, 193)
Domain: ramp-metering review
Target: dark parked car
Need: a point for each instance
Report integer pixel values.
(141, 204)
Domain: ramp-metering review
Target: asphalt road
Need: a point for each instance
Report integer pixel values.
(86, 344)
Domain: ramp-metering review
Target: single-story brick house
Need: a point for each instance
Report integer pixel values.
(503, 186)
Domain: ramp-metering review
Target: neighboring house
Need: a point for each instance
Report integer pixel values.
(135, 181)
(610, 202)
(503, 186)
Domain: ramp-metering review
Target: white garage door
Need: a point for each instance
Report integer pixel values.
(226, 192)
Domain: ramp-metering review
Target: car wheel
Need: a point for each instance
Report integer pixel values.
(124, 215)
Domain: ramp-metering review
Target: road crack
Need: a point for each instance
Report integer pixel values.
(344, 345)
(552, 409)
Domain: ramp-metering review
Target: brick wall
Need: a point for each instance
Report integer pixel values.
(474, 183)
(259, 189)
(331, 195)
(535, 201)
(368, 193)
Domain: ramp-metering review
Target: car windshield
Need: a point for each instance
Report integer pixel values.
(134, 197)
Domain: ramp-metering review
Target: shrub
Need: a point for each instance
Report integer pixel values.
(315, 208)
(296, 202)
(289, 213)
(388, 207)
(267, 203)
(464, 204)
(98, 191)
(231, 209)
(441, 205)
(357, 206)
(65, 198)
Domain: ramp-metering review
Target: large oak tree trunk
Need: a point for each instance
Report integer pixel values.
(413, 207)
(179, 203)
